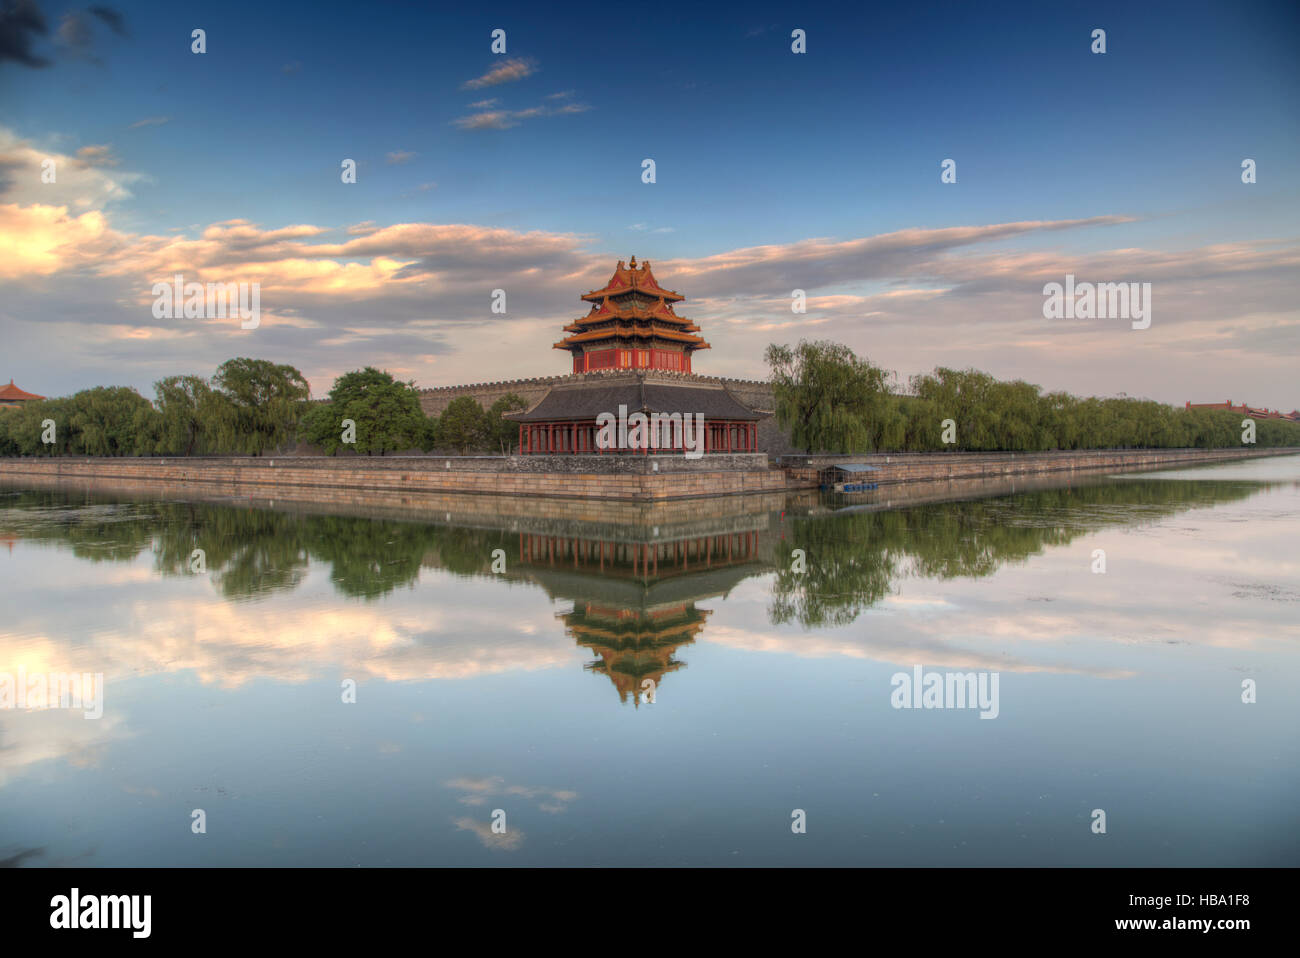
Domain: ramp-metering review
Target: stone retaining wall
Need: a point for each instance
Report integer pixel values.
(627, 478)
(609, 477)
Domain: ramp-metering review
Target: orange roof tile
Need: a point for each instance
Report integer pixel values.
(627, 278)
(13, 392)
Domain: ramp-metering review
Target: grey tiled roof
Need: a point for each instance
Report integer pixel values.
(589, 401)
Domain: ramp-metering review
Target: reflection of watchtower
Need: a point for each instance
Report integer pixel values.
(634, 602)
(634, 644)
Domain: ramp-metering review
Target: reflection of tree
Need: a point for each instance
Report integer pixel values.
(854, 558)
(368, 558)
(95, 532)
(249, 552)
(468, 552)
(849, 567)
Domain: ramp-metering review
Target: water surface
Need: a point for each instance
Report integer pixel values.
(521, 690)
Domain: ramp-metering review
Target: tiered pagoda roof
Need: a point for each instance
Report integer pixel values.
(11, 395)
(633, 312)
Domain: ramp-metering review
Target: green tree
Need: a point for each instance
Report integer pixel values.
(188, 413)
(263, 403)
(386, 415)
(829, 398)
(503, 433)
(111, 421)
(462, 425)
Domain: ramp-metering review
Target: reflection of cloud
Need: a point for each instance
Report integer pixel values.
(30, 738)
(508, 841)
(906, 648)
(479, 790)
(228, 644)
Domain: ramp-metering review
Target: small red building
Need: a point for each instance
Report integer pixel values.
(11, 397)
(1244, 410)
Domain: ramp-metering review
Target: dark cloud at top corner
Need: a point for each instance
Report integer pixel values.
(114, 18)
(21, 22)
(22, 25)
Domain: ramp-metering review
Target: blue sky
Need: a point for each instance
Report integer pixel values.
(756, 148)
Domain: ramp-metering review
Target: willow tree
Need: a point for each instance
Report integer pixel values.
(830, 399)
(261, 403)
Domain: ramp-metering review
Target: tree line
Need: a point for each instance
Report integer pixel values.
(832, 400)
(253, 407)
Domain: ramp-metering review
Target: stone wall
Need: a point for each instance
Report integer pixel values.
(614, 520)
(626, 478)
(597, 478)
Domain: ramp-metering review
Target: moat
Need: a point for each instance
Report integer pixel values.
(500, 651)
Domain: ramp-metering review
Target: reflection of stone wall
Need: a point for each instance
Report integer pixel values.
(930, 466)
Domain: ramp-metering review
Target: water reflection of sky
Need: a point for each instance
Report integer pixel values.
(1118, 691)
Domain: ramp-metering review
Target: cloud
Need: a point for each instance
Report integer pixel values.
(504, 119)
(21, 23)
(150, 121)
(75, 31)
(80, 183)
(399, 157)
(507, 72)
(492, 120)
(111, 17)
(42, 240)
(409, 294)
(291, 68)
(484, 104)
(101, 155)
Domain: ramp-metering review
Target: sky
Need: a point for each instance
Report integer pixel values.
(522, 170)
